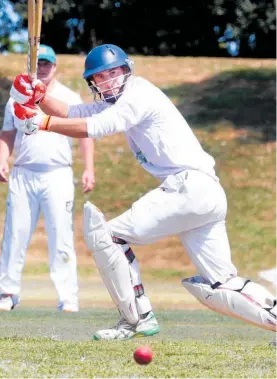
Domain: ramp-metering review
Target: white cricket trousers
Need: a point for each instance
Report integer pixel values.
(191, 205)
(52, 193)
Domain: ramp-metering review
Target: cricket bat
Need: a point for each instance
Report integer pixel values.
(34, 30)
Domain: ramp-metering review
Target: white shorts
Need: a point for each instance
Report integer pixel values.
(192, 205)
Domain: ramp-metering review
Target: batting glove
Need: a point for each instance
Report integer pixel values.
(26, 92)
(29, 121)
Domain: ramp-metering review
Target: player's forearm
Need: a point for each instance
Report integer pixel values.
(71, 127)
(4, 151)
(6, 144)
(83, 127)
(87, 148)
(54, 107)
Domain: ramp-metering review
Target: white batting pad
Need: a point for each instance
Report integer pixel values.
(236, 298)
(110, 261)
(270, 276)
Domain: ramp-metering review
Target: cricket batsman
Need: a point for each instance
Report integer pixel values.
(189, 202)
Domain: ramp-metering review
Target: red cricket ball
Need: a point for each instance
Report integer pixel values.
(143, 355)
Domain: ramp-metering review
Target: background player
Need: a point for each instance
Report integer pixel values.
(41, 181)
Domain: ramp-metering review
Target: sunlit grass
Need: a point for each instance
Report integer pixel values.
(192, 344)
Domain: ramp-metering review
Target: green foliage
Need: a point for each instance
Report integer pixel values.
(247, 17)
(165, 28)
(10, 22)
(50, 7)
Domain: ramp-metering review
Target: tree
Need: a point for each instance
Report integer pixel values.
(248, 18)
(10, 22)
(176, 27)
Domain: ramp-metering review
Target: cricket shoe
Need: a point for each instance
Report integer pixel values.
(146, 327)
(68, 307)
(8, 302)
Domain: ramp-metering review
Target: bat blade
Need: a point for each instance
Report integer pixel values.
(34, 30)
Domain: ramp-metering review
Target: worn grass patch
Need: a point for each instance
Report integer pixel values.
(192, 344)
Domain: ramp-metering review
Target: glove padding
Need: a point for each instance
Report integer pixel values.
(26, 92)
(29, 120)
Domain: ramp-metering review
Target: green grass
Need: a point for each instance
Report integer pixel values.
(45, 343)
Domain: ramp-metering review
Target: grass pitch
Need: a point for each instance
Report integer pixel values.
(43, 343)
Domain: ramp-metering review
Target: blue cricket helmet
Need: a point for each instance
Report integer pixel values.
(105, 57)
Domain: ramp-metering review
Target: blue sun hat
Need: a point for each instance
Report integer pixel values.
(47, 53)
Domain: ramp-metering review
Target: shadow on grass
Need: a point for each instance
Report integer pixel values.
(244, 98)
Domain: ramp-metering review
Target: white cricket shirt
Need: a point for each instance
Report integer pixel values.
(42, 151)
(157, 133)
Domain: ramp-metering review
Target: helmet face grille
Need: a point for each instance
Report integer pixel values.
(115, 88)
